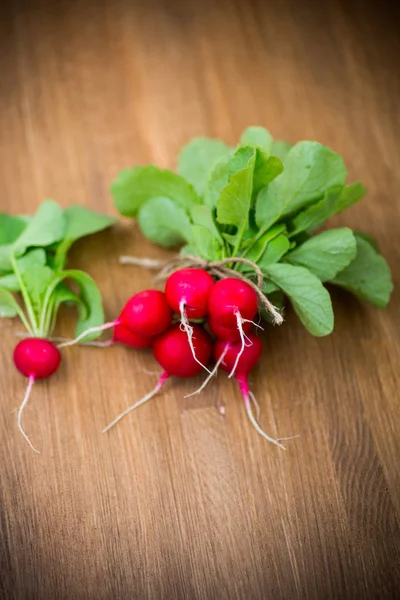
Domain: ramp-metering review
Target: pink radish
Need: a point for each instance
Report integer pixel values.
(187, 292)
(35, 358)
(233, 303)
(226, 354)
(173, 352)
(146, 314)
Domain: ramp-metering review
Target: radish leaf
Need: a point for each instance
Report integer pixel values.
(310, 300)
(164, 222)
(46, 227)
(326, 254)
(257, 136)
(134, 187)
(368, 276)
(198, 158)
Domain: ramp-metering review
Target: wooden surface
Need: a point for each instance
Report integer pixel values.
(179, 501)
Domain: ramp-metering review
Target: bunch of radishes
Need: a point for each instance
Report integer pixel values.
(223, 311)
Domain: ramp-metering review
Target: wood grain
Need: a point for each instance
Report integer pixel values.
(179, 501)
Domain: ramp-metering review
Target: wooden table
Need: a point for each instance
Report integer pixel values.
(180, 501)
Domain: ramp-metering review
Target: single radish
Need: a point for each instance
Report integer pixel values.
(173, 352)
(233, 303)
(146, 314)
(228, 334)
(36, 358)
(226, 354)
(187, 292)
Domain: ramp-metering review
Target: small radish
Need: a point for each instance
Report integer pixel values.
(146, 314)
(233, 303)
(173, 352)
(187, 292)
(226, 353)
(35, 358)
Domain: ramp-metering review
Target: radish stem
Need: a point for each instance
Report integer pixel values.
(148, 396)
(31, 381)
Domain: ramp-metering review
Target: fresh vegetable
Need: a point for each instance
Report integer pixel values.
(187, 292)
(33, 254)
(249, 217)
(146, 313)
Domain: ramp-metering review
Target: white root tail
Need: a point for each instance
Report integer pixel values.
(211, 375)
(257, 407)
(85, 333)
(189, 332)
(239, 321)
(147, 263)
(31, 381)
(145, 398)
(257, 427)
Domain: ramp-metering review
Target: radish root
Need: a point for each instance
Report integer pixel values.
(211, 375)
(256, 426)
(185, 326)
(31, 381)
(85, 333)
(148, 396)
(239, 322)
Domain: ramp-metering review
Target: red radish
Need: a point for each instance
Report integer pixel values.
(233, 302)
(187, 292)
(190, 287)
(125, 336)
(35, 358)
(230, 296)
(228, 334)
(173, 352)
(226, 354)
(146, 314)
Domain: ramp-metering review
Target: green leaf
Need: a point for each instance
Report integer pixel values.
(350, 195)
(5, 258)
(275, 250)
(310, 300)
(312, 217)
(368, 276)
(234, 203)
(79, 222)
(36, 276)
(10, 228)
(310, 170)
(257, 136)
(326, 254)
(203, 215)
(8, 304)
(164, 222)
(90, 313)
(280, 149)
(206, 245)
(134, 187)
(219, 177)
(266, 169)
(10, 282)
(259, 246)
(46, 227)
(197, 160)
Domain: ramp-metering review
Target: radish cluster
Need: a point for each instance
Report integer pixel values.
(224, 313)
